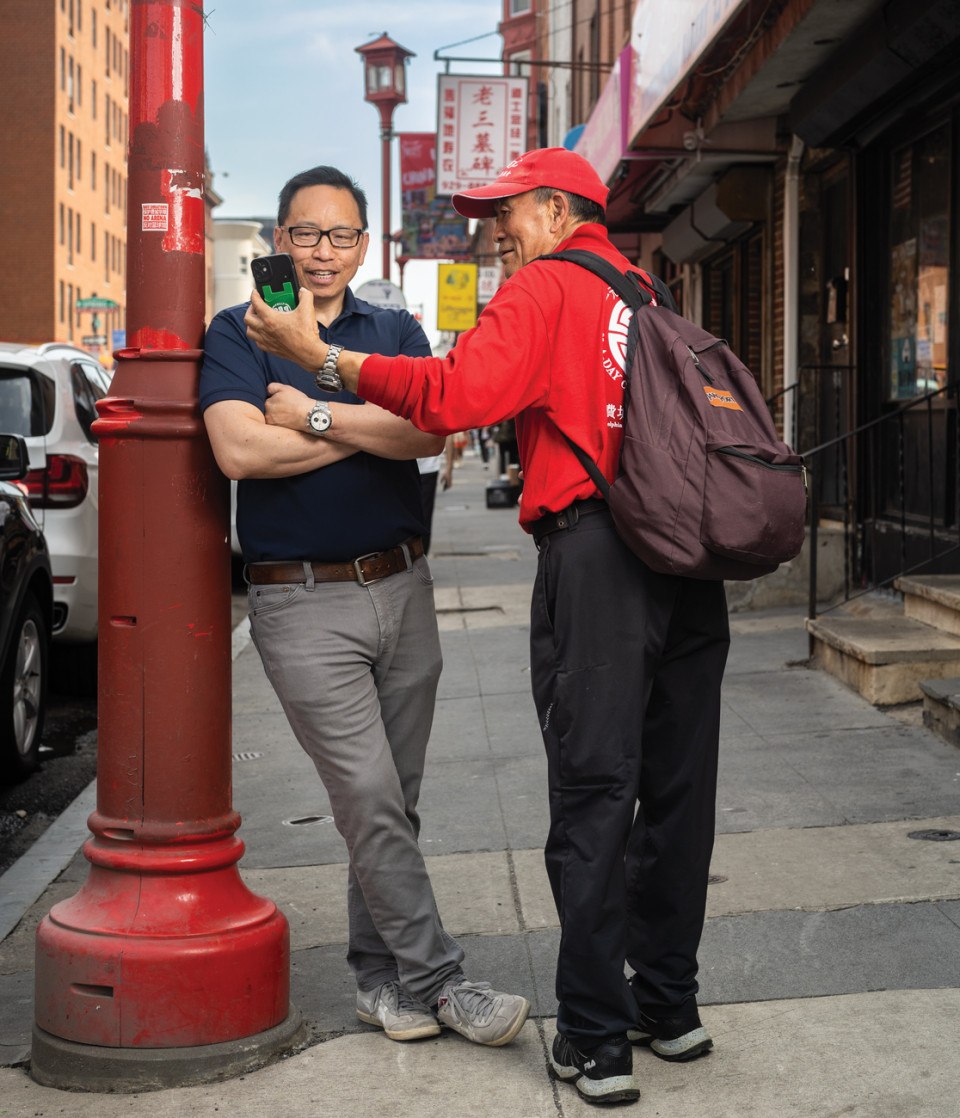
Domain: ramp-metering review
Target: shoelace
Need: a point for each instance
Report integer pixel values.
(406, 1002)
(474, 998)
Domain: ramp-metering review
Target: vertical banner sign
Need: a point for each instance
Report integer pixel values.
(480, 129)
(431, 226)
(456, 297)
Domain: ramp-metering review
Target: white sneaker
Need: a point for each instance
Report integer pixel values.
(480, 1014)
(400, 1016)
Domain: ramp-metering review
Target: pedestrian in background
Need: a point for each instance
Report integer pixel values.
(434, 469)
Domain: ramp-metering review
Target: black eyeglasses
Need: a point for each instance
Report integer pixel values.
(305, 236)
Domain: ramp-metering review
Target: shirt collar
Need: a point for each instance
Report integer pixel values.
(353, 305)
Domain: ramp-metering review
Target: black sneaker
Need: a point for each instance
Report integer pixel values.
(601, 1076)
(672, 1038)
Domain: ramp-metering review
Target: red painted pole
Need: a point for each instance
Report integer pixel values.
(163, 947)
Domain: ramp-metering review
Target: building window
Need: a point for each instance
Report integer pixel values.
(63, 147)
(79, 84)
(63, 223)
(919, 283)
(733, 299)
(62, 298)
(106, 256)
(518, 7)
(93, 241)
(93, 98)
(93, 170)
(93, 26)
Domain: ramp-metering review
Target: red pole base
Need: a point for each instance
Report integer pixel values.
(163, 947)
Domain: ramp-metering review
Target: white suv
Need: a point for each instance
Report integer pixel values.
(48, 394)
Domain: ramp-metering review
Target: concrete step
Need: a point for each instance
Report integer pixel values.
(941, 707)
(876, 650)
(932, 599)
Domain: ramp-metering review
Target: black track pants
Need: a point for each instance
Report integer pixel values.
(626, 669)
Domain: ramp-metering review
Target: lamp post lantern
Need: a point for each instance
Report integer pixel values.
(385, 86)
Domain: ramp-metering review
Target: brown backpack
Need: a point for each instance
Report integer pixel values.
(705, 487)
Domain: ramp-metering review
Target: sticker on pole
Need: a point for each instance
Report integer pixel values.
(155, 217)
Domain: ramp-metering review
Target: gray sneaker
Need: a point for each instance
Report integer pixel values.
(400, 1016)
(480, 1014)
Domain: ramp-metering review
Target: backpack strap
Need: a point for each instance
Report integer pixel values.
(634, 291)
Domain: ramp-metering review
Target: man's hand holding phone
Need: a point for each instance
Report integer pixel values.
(293, 336)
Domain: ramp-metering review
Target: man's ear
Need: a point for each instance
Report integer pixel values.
(559, 210)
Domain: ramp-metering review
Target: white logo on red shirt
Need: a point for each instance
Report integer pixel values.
(614, 342)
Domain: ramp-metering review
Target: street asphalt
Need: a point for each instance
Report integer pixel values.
(830, 964)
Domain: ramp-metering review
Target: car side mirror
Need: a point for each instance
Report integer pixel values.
(14, 458)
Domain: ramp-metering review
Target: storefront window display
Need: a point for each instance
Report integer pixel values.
(919, 262)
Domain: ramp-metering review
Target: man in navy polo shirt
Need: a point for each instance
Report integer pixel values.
(342, 611)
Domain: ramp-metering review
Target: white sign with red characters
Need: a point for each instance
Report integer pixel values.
(481, 125)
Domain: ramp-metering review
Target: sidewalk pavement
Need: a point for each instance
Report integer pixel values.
(830, 965)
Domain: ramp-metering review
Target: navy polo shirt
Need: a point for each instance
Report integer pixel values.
(347, 509)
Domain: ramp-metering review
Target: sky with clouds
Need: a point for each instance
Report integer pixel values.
(284, 91)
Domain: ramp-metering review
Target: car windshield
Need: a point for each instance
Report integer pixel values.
(26, 402)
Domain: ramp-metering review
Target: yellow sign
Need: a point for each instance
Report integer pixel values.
(457, 296)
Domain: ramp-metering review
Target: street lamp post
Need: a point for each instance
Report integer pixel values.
(163, 969)
(385, 86)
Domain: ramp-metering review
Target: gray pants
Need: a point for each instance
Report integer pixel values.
(356, 671)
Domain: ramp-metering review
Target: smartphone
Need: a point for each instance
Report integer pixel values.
(275, 278)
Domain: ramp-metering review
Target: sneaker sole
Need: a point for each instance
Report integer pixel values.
(418, 1032)
(615, 1088)
(687, 1047)
(514, 1027)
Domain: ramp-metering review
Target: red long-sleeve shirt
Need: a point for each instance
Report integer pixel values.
(548, 349)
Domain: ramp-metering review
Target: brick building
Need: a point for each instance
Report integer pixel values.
(64, 81)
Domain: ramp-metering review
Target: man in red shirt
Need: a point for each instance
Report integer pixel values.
(626, 663)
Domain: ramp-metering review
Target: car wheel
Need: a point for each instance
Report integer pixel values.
(23, 693)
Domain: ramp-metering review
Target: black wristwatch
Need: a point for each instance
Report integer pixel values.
(328, 378)
(319, 418)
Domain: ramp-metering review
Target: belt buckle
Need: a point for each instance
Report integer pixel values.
(361, 578)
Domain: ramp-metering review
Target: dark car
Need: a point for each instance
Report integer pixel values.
(26, 617)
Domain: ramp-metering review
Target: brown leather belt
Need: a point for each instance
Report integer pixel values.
(368, 568)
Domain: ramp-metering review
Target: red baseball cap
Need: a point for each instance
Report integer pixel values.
(554, 167)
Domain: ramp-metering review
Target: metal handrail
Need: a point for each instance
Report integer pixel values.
(818, 452)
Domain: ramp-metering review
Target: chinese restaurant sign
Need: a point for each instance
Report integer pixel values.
(480, 129)
(431, 226)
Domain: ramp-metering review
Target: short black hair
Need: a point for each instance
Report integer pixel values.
(580, 208)
(320, 176)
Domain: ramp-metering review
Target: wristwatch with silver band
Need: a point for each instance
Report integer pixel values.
(319, 418)
(328, 378)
